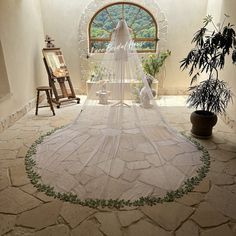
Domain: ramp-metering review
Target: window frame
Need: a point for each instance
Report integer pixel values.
(149, 39)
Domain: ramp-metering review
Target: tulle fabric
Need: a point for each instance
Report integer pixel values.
(119, 147)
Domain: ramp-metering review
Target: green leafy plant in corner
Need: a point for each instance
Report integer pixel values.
(208, 56)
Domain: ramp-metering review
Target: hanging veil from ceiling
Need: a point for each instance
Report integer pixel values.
(117, 148)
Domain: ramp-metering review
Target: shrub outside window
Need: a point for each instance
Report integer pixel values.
(141, 22)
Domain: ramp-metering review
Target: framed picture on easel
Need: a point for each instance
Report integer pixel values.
(58, 76)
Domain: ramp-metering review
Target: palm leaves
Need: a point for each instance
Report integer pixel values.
(210, 95)
(208, 56)
(210, 50)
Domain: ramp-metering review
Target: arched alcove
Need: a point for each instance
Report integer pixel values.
(141, 23)
(85, 64)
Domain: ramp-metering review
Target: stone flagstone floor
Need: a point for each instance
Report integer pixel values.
(210, 210)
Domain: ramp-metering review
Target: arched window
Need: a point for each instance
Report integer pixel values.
(142, 23)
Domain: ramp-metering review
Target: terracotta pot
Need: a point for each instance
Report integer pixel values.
(202, 123)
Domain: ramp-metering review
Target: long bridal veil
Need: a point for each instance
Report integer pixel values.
(119, 147)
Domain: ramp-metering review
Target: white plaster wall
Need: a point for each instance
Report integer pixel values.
(62, 21)
(4, 83)
(229, 72)
(184, 19)
(21, 34)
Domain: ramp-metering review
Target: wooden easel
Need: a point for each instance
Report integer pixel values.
(58, 74)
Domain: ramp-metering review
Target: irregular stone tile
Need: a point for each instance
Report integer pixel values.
(223, 201)
(203, 187)
(221, 179)
(191, 199)
(228, 147)
(136, 191)
(222, 230)
(233, 227)
(14, 201)
(86, 228)
(168, 215)
(4, 179)
(28, 141)
(187, 229)
(230, 168)
(23, 150)
(221, 155)
(43, 197)
(217, 166)
(75, 214)
(154, 160)
(159, 192)
(103, 187)
(7, 154)
(169, 152)
(136, 165)
(57, 230)
(84, 178)
(7, 223)
(10, 163)
(113, 168)
(145, 148)
(21, 231)
(231, 188)
(145, 228)
(29, 188)
(12, 144)
(187, 159)
(158, 177)
(65, 182)
(128, 217)
(8, 135)
(207, 144)
(207, 216)
(218, 138)
(131, 156)
(130, 175)
(109, 223)
(18, 176)
(187, 147)
(40, 217)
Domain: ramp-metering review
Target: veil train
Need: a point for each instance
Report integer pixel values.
(117, 150)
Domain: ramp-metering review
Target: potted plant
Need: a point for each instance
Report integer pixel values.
(151, 66)
(153, 63)
(212, 95)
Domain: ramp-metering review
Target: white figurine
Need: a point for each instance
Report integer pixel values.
(145, 96)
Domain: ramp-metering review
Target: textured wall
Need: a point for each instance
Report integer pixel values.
(21, 33)
(4, 82)
(229, 72)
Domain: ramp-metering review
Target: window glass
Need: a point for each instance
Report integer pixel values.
(140, 21)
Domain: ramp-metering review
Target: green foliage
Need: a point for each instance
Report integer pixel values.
(208, 56)
(153, 63)
(188, 185)
(106, 20)
(210, 95)
(210, 50)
